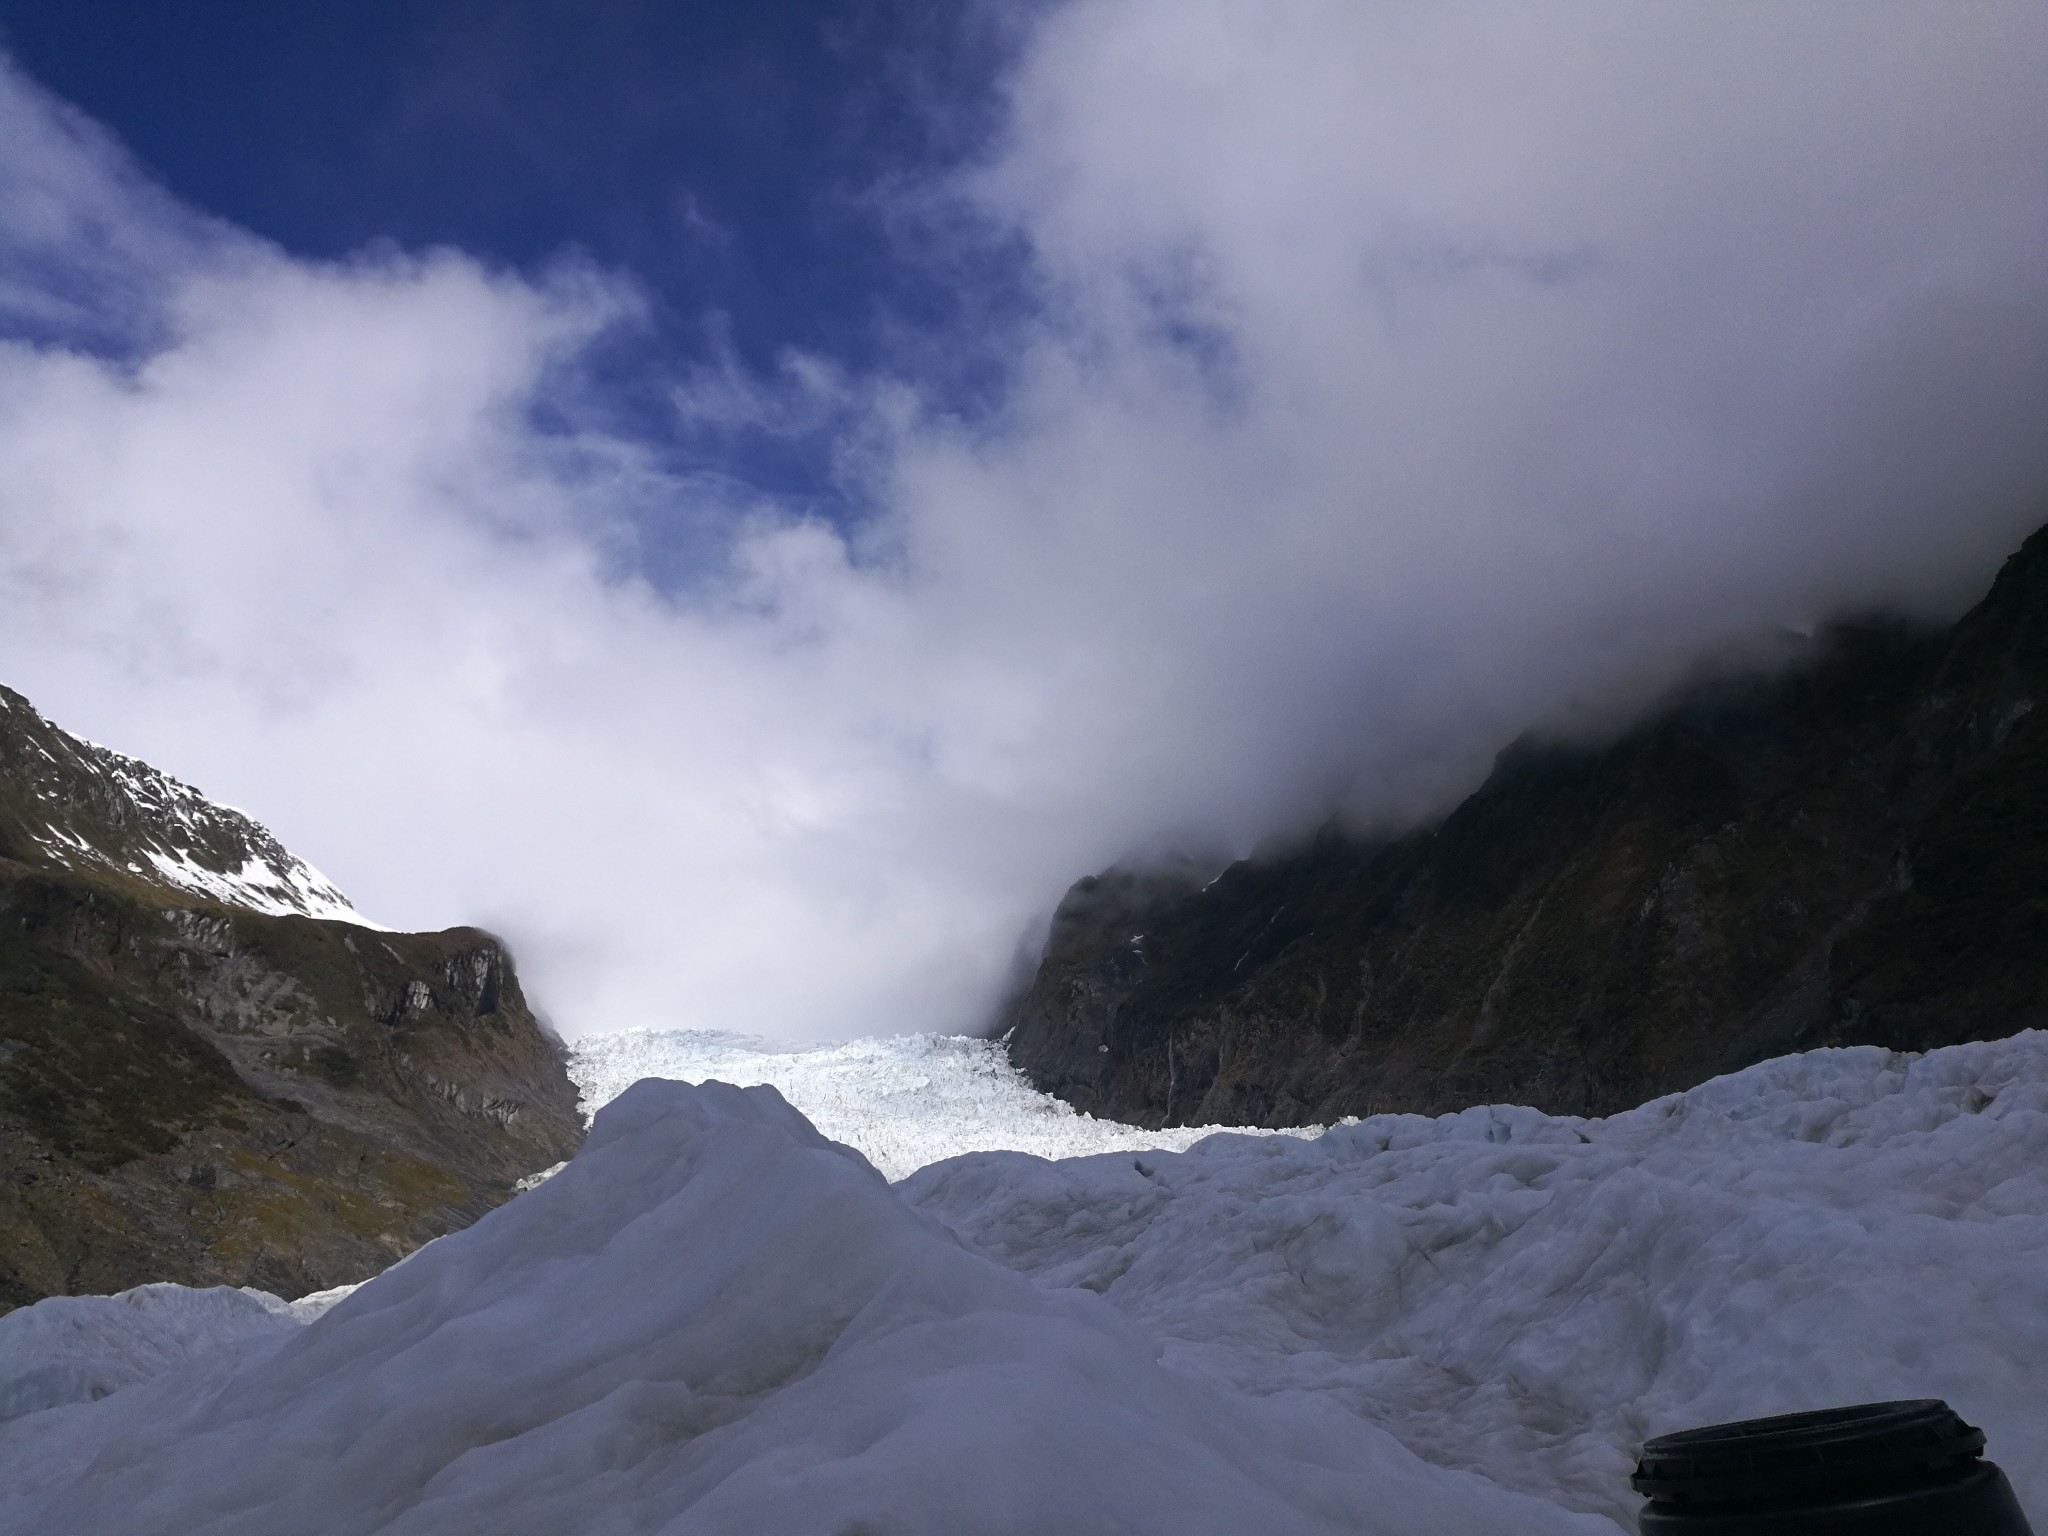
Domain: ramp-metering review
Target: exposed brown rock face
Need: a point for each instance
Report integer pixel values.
(1852, 852)
(194, 1091)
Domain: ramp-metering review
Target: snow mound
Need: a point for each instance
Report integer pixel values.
(1532, 1296)
(714, 1320)
(903, 1101)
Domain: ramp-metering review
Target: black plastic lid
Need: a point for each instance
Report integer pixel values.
(1864, 1449)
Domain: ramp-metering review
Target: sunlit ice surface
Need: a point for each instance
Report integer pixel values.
(902, 1101)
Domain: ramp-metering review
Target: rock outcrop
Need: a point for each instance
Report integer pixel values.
(212, 1070)
(1854, 850)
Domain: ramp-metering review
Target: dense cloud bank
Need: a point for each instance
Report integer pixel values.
(1394, 380)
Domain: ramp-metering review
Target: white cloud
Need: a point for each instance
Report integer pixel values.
(1403, 376)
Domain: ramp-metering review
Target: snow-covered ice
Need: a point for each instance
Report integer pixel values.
(77, 1349)
(715, 1320)
(902, 1101)
(1532, 1296)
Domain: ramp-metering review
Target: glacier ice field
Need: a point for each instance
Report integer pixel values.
(721, 1316)
(901, 1101)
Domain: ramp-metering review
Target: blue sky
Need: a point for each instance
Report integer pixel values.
(753, 514)
(743, 163)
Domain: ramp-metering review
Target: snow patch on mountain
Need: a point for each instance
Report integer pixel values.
(184, 824)
(88, 805)
(262, 886)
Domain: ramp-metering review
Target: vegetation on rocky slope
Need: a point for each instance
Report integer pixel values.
(198, 1092)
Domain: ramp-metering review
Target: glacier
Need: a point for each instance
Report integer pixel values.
(902, 1101)
(717, 1319)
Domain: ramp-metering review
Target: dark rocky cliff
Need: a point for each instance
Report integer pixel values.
(1851, 851)
(194, 1090)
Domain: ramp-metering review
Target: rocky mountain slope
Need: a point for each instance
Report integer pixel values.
(1851, 851)
(212, 1069)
